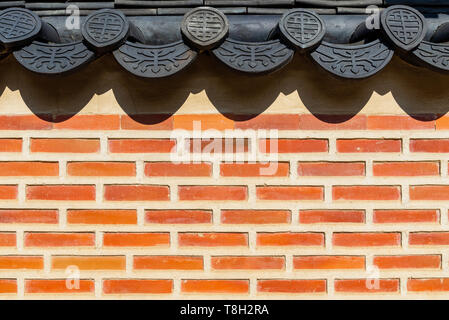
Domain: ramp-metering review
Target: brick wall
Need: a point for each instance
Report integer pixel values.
(355, 207)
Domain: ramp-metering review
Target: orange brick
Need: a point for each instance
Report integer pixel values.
(101, 216)
(8, 286)
(141, 145)
(212, 193)
(216, 145)
(178, 216)
(293, 145)
(255, 216)
(10, 145)
(90, 122)
(42, 239)
(168, 262)
(331, 169)
(8, 192)
(247, 263)
(22, 262)
(7, 239)
(89, 262)
(429, 238)
(331, 216)
(103, 169)
(24, 122)
(61, 192)
(215, 286)
(332, 122)
(137, 286)
(169, 169)
(29, 168)
(64, 145)
(290, 239)
(368, 145)
(398, 123)
(408, 262)
(329, 262)
(289, 193)
(428, 285)
(136, 193)
(147, 122)
(28, 216)
(366, 239)
(366, 285)
(429, 145)
(270, 121)
(291, 286)
(405, 216)
(58, 286)
(429, 192)
(202, 122)
(225, 239)
(271, 169)
(134, 239)
(406, 169)
(376, 193)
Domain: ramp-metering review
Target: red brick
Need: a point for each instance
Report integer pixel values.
(136, 193)
(225, 239)
(215, 286)
(101, 216)
(368, 145)
(216, 145)
(42, 239)
(212, 193)
(103, 169)
(10, 145)
(328, 262)
(366, 285)
(64, 145)
(58, 286)
(89, 262)
(397, 123)
(21, 262)
(8, 192)
(169, 169)
(61, 192)
(331, 216)
(429, 145)
(405, 216)
(178, 216)
(255, 216)
(331, 168)
(168, 263)
(8, 286)
(271, 169)
(24, 122)
(429, 238)
(29, 169)
(332, 122)
(270, 121)
(290, 239)
(406, 169)
(293, 145)
(380, 193)
(408, 262)
(147, 122)
(134, 239)
(141, 145)
(7, 239)
(291, 286)
(429, 192)
(247, 263)
(137, 286)
(428, 285)
(28, 216)
(366, 239)
(90, 122)
(289, 193)
(202, 121)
